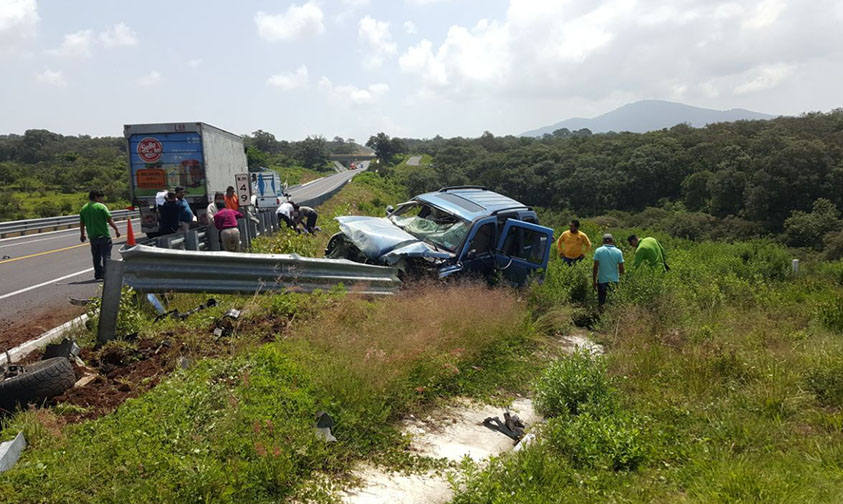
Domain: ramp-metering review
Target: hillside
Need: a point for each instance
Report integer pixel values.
(649, 115)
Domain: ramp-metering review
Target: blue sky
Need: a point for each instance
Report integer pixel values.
(415, 68)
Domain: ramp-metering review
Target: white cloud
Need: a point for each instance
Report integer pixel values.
(425, 2)
(52, 78)
(18, 23)
(75, 45)
(356, 4)
(374, 35)
(119, 35)
(150, 79)
(292, 80)
(298, 22)
(640, 48)
(353, 95)
(194, 63)
(765, 77)
(764, 14)
(410, 28)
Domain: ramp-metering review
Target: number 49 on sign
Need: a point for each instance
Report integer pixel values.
(244, 188)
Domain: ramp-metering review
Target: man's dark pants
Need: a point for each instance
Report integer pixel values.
(571, 262)
(101, 251)
(603, 290)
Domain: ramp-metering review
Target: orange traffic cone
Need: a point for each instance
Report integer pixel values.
(130, 235)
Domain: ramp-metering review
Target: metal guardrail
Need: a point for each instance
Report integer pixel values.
(22, 227)
(150, 269)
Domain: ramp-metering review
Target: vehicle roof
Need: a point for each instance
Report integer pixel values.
(470, 204)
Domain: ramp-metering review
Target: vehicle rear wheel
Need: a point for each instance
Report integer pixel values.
(37, 383)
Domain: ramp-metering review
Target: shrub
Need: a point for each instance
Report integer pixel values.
(825, 379)
(572, 382)
(609, 442)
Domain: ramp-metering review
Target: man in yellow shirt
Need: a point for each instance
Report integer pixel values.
(573, 244)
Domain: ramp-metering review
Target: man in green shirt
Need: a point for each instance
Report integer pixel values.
(95, 218)
(648, 250)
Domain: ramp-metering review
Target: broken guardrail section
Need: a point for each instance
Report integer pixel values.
(153, 270)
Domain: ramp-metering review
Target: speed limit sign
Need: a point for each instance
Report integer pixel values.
(244, 188)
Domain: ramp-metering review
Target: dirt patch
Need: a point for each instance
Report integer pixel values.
(450, 433)
(29, 324)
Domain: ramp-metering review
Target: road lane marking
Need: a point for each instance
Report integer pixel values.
(42, 253)
(48, 282)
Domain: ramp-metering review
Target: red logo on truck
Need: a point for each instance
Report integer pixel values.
(150, 149)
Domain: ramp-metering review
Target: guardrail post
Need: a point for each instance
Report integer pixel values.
(110, 303)
(276, 225)
(243, 226)
(191, 240)
(213, 237)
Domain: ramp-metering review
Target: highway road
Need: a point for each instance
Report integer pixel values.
(41, 272)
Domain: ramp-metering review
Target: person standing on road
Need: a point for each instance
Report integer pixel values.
(573, 244)
(168, 215)
(95, 218)
(648, 250)
(185, 213)
(608, 266)
(225, 221)
(231, 199)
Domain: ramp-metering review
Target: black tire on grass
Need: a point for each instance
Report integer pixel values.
(38, 383)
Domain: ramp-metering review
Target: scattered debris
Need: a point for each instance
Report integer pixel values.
(81, 382)
(324, 422)
(512, 426)
(181, 316)
(66, 348)
(35, 383)
(225, 325)
(183, 362)
(153, 300)
(79, 302)
(525, 442)
(10, 451)
(6, 257)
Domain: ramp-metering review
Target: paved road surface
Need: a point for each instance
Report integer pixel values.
(44, 270)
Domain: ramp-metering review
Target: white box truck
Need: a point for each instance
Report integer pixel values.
(197, 156)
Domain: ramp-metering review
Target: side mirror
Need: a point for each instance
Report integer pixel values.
(389, 209)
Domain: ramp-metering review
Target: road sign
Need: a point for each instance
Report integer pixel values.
(244, 188)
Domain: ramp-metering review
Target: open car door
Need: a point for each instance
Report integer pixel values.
(522, 249)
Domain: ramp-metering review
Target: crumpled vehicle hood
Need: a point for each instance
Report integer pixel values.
(379, 238)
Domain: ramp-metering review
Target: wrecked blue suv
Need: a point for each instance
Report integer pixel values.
(463, 229)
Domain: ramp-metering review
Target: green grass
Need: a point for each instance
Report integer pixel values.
(727, 372)
(47, 203)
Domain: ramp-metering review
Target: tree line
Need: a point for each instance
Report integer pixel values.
(754, 177)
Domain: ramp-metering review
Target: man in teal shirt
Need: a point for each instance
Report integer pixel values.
(648, 250)
(608, 266)
(95, 218)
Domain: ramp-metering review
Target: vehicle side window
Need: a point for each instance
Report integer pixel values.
(525, 244)
(482, 241)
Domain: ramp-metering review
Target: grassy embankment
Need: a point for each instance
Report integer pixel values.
(50, 203)
(722, 383)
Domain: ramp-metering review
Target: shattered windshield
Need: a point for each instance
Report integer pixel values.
(431, 225)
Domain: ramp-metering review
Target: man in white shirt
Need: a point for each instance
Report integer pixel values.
(285, 213)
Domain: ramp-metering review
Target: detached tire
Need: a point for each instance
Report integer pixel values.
(38, 383)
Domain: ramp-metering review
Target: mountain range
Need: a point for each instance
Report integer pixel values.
(649, 115)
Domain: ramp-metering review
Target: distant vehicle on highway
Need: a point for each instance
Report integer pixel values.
(456, 230)
(197, 156)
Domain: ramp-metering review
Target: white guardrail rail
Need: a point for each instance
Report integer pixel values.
(22, 227)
